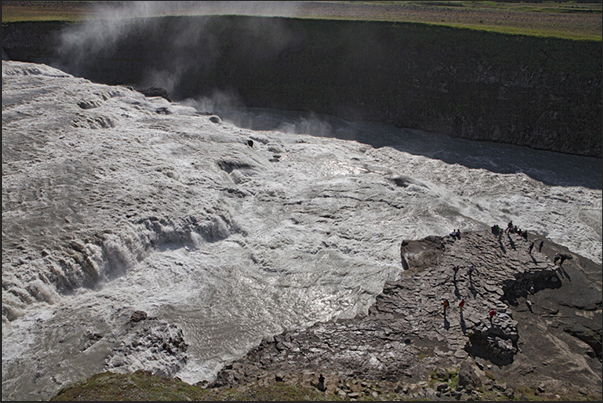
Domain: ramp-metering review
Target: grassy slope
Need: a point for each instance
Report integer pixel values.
(143, 386)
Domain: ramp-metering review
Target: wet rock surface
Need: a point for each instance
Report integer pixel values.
(407, 338)
(149, 344)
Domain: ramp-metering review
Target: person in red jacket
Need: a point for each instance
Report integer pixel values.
(492, 313)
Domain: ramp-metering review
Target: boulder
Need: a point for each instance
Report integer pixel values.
(137, 316)
(467, 376)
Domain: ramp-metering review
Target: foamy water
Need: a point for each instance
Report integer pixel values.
(229, 242)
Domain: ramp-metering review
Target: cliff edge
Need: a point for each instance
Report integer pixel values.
(543, 339)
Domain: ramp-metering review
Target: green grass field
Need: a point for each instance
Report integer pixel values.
(563, 19)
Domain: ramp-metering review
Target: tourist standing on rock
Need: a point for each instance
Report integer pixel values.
(321, 383)
(557, 257)
(529, 304)
(540, 245)
(509, 226)
(491, 314)
(446, 304)
(461, 305)
(530, 248)
(456, 270)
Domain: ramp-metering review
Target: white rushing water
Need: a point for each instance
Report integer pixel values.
(180, 217)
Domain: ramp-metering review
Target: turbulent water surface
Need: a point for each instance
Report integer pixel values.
(113, 202)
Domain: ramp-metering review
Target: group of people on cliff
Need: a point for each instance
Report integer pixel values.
(497, 230)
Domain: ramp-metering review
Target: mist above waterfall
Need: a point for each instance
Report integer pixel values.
(191, 47)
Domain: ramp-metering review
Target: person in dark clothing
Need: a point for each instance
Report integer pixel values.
(562, 258)
(530, 248)
(446, 305)
(321, 383)
(540, 245)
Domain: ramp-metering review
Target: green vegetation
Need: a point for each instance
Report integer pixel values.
(525, 31)
(15, 11)
(278, 392)
(143, 386)
(528, 392)
(566, 19)
(139, 386)
(451, 377)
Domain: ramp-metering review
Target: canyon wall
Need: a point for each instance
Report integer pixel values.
(543, 93)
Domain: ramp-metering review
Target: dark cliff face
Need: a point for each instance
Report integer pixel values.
(539, 92)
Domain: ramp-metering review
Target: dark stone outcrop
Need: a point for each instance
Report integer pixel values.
(155, 92)
(467, 376)
(137, 316)
(151, 344)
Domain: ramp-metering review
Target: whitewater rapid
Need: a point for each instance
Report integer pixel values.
(175, 213)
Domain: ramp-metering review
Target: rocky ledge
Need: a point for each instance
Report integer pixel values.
(543, 339)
